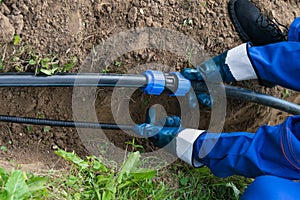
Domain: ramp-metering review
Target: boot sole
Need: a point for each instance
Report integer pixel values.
(236, 23)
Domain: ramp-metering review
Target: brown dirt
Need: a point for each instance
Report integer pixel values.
(72, 28)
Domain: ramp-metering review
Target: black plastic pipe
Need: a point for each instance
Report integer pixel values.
(72, 80)
(251, 96)
(61, 123)
(263, 99)
(138, 81)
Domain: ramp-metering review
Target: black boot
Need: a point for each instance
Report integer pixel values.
(252, 25)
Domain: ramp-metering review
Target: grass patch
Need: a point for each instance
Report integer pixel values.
(200, 183)
(90, 178)
(94, 179)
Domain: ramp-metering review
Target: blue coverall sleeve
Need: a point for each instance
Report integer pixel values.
(272, 150)
(278, 63)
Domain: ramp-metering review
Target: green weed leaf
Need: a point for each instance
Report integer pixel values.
(97, 165)
(48, 72)
(46, 129)
(71, 180)
(131, 163)
(29, 128)
(72, 157)
(141, 174)
(17, 39)
(68, 66)
(3, 148)
(15, 187)
(32, 62)
(45, 63)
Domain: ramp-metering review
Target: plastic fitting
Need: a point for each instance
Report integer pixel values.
(155, 82)
(183, 84)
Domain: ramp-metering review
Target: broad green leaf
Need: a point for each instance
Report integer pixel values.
(140, 174)
(130, 164)
(72, 157)
(15, 186)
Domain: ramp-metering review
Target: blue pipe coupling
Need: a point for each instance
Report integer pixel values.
(158, 81)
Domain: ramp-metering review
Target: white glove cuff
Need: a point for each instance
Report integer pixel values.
(239, 63)
(184, 146)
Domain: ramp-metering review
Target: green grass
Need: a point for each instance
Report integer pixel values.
(91, 178)
(200, 183)
(94, 178)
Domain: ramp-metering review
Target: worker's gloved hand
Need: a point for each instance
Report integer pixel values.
(214, 70)
(169, 134)
(209, 70)
(161, 132)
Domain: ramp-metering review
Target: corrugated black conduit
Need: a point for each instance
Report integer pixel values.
(61, 123)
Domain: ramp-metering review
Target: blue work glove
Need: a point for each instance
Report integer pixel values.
(161, 132)
(208, 71)
(167, 133)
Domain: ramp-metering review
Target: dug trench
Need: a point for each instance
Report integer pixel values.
(27, 144)
(66, 29)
